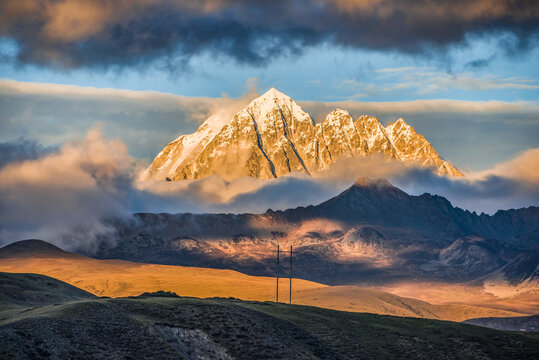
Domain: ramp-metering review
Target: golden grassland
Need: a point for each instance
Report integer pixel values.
(523, 298)
(118, 278)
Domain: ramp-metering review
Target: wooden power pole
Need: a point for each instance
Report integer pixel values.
(277, 289)
(290, 274)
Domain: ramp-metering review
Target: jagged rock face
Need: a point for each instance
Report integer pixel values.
(413, 147)
(273, 136)
(335, 137)
(376, 137)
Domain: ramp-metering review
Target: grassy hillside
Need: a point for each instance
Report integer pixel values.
(117, 278)
(521, 323)
(46, 318)
(171, 328)
(28, 290)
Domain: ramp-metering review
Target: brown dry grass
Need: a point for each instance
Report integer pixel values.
(526, 301)
(117, 278)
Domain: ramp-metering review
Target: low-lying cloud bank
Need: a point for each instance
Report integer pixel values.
(470, 134)
(66, 196)
(66, 193)
(524, 168)
(103, 33)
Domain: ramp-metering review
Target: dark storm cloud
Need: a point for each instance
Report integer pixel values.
(21, 150)
(84, 33)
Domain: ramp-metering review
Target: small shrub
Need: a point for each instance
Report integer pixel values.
(160, 293)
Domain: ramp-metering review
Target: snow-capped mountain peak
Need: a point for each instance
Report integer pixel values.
(273, 136)
(274, 94)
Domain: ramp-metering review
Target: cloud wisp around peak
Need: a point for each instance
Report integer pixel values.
(70, 195)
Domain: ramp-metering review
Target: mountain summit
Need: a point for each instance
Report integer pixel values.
(273, 136)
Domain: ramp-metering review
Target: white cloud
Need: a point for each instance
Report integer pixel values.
(524, 167)
(421, 81)
(66, 196)
(145, 120)
(69, 192)
(428, 106)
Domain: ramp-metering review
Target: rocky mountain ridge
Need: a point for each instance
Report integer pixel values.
(371, 232)
(273, 136)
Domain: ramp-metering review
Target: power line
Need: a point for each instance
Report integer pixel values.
(291, 274)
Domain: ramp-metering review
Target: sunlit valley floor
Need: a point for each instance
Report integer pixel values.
(117, 278)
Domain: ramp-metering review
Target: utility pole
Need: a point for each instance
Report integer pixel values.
(277, 290)
(290, 274)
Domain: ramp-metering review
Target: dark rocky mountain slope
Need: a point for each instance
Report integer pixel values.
(373, 231)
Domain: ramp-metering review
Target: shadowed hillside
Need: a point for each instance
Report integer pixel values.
(35, 247)
(171, 328)
(521, 323)
(26, 290)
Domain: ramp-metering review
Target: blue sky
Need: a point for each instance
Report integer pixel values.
(375, 57)
(324, 73)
